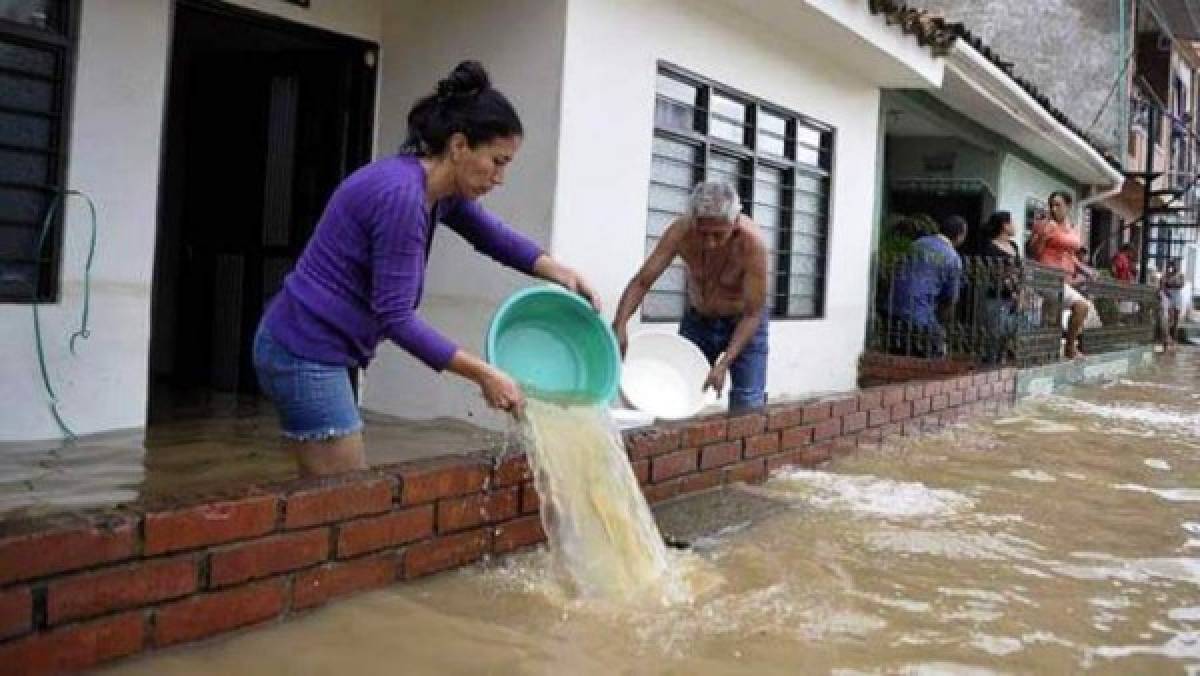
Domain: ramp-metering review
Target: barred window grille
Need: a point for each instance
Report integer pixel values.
(780, 164)
(37, 42)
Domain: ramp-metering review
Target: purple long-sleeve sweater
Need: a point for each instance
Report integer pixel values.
(361, 275)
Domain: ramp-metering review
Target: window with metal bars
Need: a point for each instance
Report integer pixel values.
(1166, 243)
(37, 46)
(780, 164)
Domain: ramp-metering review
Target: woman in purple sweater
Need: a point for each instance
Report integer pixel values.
(361, 275)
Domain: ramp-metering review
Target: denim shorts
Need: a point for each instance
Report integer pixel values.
(315, 400)
(748, 371)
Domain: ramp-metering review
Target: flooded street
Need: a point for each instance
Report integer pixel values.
(1063, 537)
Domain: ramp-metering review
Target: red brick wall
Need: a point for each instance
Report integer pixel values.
(875, 368)
(82, 590)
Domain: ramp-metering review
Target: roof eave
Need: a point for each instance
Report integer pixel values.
(975, 86)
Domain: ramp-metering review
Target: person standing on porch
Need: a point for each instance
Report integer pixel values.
(925, 287)
(361, 276)
(1055, 242)
(1173, 283)
(726, 314)
(1122, 264)
(1002, 259)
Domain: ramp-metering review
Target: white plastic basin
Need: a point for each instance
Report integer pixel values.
(664, 374)
(626, 418)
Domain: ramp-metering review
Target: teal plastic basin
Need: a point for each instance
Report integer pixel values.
(555, 346)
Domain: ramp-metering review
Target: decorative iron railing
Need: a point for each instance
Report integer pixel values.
(1039, 340)
(1002, 313)
(1128, 312)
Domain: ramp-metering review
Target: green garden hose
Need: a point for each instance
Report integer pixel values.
(83, 331)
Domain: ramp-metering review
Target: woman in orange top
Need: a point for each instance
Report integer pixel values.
(1054, 242)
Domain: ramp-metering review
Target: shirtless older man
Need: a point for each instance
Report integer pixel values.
(726, 315)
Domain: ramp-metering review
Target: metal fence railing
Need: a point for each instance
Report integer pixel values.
(1004, 313)
(1039, 339)
(1128, 312)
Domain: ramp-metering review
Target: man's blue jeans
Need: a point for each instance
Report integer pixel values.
(748, 372)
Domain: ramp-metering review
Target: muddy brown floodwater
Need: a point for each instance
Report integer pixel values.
(1063, 537)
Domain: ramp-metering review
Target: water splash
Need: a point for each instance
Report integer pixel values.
(996, 645)
(1191, 614)
(1183, 645)
(1033, 475)
(1153, 416)
(1039, 426)
(1108, 567)
(871, 495)
(598, 524)
(953, 545)
(1150, 385)
(1169, 494)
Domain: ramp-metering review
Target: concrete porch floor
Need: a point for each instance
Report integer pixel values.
(194, 456)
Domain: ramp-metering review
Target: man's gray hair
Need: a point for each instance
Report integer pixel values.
(714, 199)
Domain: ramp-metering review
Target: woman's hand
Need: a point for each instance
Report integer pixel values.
(499, 391)
(502, 392)
(552, 271)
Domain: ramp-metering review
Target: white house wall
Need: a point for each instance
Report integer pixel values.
(520, 42)
(115, 148)
(908, 155)
(1021, 181)
(579, 188)
(604, 167)
(114, 158)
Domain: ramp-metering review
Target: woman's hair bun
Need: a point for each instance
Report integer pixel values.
(467, 79)
(465, 103)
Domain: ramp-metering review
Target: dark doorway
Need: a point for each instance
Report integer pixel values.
(1103, 239)
(972, 206)
(264, 117)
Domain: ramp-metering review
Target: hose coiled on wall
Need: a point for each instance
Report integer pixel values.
(83, 332)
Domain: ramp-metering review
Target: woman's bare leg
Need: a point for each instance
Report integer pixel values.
(335, 456)
(1079, 312)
